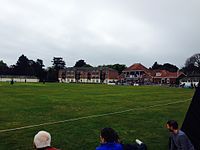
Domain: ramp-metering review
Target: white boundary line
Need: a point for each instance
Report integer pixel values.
(91, 116)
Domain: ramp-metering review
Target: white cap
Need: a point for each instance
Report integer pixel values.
(42, 139)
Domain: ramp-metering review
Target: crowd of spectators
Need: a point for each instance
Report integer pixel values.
(109, 140)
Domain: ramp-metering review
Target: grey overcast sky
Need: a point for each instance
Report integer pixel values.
(100, 31)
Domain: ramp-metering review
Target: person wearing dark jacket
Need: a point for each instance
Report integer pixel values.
(109, 140)
(42, 141)
(178, 139)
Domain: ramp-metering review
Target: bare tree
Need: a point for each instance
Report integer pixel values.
(194, 60)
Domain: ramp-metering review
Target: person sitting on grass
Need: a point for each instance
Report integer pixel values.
(178, 140)
(42, 141)
(109, 140)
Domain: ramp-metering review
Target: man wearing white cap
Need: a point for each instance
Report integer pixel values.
(42, 141)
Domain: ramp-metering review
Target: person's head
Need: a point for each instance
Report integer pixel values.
(108, 135)
(172, 125)
(42, 139)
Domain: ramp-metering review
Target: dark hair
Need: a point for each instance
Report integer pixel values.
(173, 124)
(109, 135)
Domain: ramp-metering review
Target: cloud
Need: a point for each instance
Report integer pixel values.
(100, 32)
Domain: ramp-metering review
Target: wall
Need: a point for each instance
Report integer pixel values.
(18, 80)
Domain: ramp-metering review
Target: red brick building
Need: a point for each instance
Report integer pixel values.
(88, 75)
(166, 77)
(137, 73)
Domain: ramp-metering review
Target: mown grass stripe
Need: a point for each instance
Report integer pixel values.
(91, 116)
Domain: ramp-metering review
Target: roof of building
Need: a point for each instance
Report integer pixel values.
(139, 67)
(153, 73)
(136, 66)
(89, 69)
(167, 74)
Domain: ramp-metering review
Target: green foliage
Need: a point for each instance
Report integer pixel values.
(51, 75)
(52, 72)
(81, 63)
(58, 63)
(2, 64)
(156, 66)
(24, 66)
(167, 66)
(3, 68)
(118, 67)
(34, 103)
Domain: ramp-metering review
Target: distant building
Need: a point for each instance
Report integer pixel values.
(7, 78)
(88, 75)
(166, 77)
(137, 73)
(191, 79)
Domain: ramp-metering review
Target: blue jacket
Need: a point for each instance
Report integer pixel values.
(110, 146)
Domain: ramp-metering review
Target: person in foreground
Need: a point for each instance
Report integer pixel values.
(109, 140)
(42, 141)
(178, 139)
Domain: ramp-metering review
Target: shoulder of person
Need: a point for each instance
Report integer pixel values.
(100, 147)
(182, 137)
(119, 146)
(182, 134)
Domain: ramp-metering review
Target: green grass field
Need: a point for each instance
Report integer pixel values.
(29, 104)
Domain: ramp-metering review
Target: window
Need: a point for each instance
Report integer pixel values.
(158, 74)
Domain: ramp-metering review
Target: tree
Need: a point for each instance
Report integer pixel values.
(192, 65)
(167, 66)
(118, 67)
(3, 68)
(87, 65)
(39, 63)
(38, 69)
(12, 70)
(81, 63)
(191, 69)
(170, 67)
(27, 67)
(194, 59)
(31, 71)
(58, 63)
(51, 74)
(22, 66)
(156, 66)
(2, 64)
